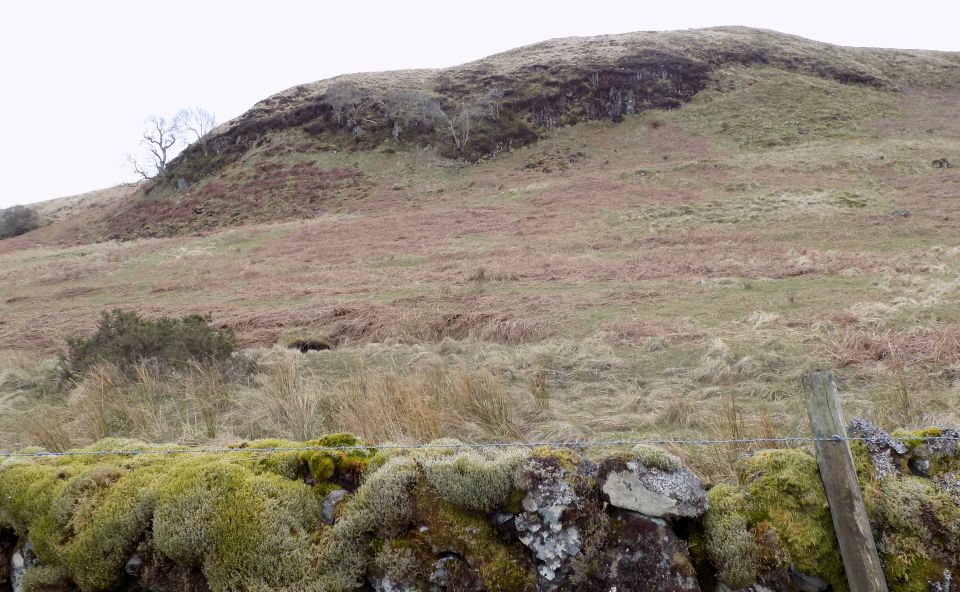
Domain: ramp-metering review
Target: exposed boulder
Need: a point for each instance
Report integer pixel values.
(652, 483)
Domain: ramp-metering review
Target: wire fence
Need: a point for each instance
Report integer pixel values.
(576, 444)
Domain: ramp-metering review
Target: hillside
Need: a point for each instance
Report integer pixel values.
(655, 233)
(269, 163)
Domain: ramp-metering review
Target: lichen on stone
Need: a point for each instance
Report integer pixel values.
(642, 484)
(885, 452)
(547, 524)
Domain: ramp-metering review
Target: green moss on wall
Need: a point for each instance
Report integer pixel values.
(252, 519)
(474, 480)
(778, 517)
(248, 524)
(42, 578)
(784, 489)
(729, 543)
(502, 565)
(919, 527)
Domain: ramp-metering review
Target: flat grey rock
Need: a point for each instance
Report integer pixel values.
(654, 491)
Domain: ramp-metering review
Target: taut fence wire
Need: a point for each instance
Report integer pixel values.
(576, 444)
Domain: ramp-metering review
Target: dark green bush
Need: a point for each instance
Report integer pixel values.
(125, 339)
(17, 220)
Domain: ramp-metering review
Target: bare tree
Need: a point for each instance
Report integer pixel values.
(159, 139)
(491, 102)
(352, 105)
(461, 124)
(412, 108)
(194, 124)
(418, 108)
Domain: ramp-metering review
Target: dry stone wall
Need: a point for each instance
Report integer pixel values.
(448, 518)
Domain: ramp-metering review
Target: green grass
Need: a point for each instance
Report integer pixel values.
(761, 108)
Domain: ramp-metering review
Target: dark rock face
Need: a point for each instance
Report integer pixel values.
(156, 573)
(453, 574)
(8, 541)
(535, 92)
(808, 583)
(648, 557)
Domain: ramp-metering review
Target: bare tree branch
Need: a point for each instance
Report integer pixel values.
(194, 124)
(159, 139)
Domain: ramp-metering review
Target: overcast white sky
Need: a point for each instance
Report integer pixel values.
(80, 77)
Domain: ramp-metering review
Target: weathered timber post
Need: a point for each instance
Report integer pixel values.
(860, 559)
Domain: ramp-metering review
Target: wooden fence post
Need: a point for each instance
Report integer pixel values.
(860, 559)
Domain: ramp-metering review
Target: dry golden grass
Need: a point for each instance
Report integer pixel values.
(286, 398)
(289, 400)
(433, 403)
(931, 347)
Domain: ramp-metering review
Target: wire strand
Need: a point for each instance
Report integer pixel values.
(467, 446)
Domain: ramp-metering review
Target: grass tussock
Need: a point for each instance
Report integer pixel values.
(430, 404)
(937, 346)
(287, 397)
(147, 404)
(287, 400)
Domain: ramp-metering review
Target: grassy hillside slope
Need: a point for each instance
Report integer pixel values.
(670, 273)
